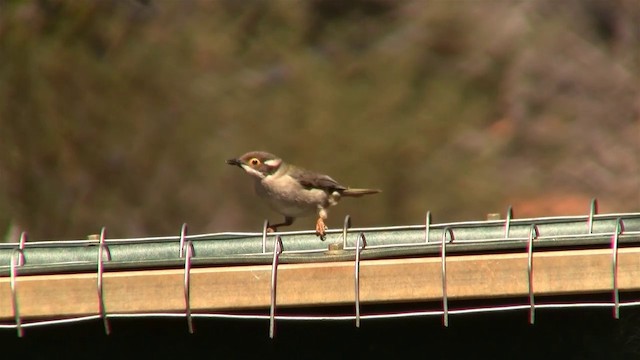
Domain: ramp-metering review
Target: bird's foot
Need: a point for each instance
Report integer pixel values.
(274, 228)
(321, 228)
(270, 228)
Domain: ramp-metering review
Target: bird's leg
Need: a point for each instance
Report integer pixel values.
(320, 226)
(287, 221)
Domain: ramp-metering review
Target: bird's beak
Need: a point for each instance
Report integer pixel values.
(235, 162)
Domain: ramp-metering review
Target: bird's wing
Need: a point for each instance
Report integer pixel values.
(313, 180)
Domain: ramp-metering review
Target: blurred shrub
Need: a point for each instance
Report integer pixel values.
(121, 113)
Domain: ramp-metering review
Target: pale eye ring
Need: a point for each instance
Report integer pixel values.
(254, 162)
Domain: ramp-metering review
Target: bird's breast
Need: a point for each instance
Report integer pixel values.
(285, 195)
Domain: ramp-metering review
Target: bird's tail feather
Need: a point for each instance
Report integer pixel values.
(359, 192)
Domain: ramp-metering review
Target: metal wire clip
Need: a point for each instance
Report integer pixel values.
(265, 228)
(17, 260)
(362, 243)
(614, 267)
(345, 229)
(277, 250)
(102, 248)
(187, 251)
(427, 226)
(593, 210)
(533, 234)
(443, 254)
(507, 222)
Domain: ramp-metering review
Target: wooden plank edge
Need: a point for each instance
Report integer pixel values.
(318, 284)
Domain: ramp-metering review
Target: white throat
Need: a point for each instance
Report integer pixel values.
(253, 171)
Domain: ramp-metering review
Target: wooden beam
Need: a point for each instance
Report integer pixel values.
(316, 284)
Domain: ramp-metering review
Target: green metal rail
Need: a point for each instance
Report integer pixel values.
(223, 249)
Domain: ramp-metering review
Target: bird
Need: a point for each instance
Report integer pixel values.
(293, 191)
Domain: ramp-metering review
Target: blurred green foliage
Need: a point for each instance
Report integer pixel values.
(121, 113)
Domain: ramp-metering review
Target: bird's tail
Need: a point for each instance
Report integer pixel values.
(359, 192)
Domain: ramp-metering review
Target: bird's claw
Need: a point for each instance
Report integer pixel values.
(271, 228)
(321, 228)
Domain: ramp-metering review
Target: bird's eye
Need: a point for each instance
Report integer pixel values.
(254, 162)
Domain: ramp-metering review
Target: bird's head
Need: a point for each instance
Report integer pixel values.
(257, 163)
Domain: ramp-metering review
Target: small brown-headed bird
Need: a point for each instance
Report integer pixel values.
(293, 191)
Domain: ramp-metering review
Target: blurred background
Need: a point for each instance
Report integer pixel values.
(122, 113)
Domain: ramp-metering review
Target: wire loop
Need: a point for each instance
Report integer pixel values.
(189, 253)
(614, 267)
(277, 250)
(507, 222)
(533, 234)
(443, 252)
(102, 249)
(362, 243)
(183, 236)
(593, 210)
(17, 260)
(427, 226)
(345, 230)
(265, 227)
